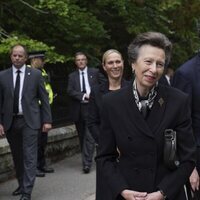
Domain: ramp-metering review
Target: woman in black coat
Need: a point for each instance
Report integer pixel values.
(133, 122)
(113, 66)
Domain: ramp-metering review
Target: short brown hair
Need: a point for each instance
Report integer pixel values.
(155, 39)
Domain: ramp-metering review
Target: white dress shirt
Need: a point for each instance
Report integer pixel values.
(22, 75)
(87, 85)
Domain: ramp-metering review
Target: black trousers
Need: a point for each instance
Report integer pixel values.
(86, 140)
(23, 144)
(42, 143)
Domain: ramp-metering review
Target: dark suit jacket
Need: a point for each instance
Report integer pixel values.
(163, 80)
(74, 90)
(187, 79)
(33, 91)
(140, 143)
(95, 106)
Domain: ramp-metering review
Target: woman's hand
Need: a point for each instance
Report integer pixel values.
(155, 196)
(2, 133)
(133, 195)
(194, 180)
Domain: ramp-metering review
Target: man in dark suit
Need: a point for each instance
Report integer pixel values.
(21, 116)
(79, 87)
(187, 79)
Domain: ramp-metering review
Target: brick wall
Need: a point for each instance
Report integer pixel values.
(62, 142)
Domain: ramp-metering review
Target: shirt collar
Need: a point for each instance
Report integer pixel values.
(84, 70)
(22, 69)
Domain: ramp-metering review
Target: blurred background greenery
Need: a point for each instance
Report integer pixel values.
(63, 27)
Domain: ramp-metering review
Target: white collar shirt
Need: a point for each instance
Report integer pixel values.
(22, 75)
(87, 85)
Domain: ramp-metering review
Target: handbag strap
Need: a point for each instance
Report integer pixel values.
(170, 148)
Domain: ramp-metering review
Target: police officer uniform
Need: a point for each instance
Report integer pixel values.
(43, 136)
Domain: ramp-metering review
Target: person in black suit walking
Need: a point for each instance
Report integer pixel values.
(79, 87)
(113, 65)
(133, 122)
(187, 79)
(21, 116)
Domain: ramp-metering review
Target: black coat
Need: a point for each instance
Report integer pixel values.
(95, 105)
(102, 189)
(140, 142)
(187, 79)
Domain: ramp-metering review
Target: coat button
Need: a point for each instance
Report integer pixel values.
(151, 153)
(136, 170)
(133, 153)
(151, 170)
(130, 138)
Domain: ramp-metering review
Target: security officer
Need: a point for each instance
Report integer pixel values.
(37, 61)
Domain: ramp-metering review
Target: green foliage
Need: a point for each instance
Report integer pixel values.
(32, 45)
(57, 7)
(63, 27)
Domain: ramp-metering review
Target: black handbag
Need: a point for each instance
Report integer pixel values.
(170, 152)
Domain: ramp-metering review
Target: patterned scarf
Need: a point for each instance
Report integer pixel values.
(148, 102)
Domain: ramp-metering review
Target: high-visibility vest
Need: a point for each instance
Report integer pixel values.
(47, 84)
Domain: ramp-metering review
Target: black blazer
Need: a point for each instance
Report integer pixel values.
(163, 80)
(140, 166)
(33, 92)
(74, 90)
(187, 79)
(95, 106)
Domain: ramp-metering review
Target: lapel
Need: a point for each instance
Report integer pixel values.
(104, 88)
(198, 62)
(77, 80)
(10, 79)
(134, 113)
(27, 76)
(157, 112)
(90, 76)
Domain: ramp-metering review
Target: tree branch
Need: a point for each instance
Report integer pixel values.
(30, 6)
(3, 32)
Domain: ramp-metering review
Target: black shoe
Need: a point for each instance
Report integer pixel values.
(47, 169)
(40, 173)
(25, 197)
(17, 192)
(86, 169)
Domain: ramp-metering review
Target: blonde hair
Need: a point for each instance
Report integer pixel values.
(107, 53)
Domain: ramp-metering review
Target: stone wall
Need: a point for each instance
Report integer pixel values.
(62, 142)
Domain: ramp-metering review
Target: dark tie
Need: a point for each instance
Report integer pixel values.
(16, 93)
(83, 83)
(144, 109)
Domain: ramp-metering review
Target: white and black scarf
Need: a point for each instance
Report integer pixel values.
(147, 102)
